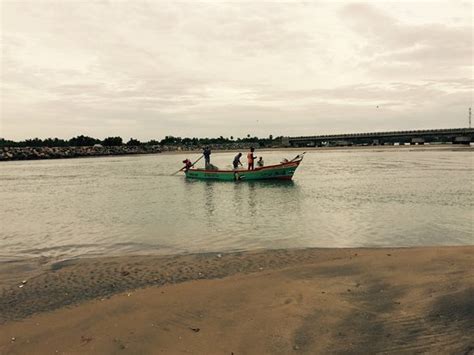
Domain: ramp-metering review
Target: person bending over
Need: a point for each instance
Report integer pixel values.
(187, 164)
(236, 161)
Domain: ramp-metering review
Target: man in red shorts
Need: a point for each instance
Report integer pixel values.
(251, 159)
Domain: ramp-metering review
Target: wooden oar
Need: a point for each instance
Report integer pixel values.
(190, 166)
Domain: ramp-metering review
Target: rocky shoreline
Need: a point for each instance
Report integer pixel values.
(34, 153)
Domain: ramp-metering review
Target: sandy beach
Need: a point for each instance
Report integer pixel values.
(268, 302)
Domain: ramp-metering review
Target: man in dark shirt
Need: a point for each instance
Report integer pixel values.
(207, 156)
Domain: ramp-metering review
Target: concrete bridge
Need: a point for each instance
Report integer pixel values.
(448, 135)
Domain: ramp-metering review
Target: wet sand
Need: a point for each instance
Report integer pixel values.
(269, 302)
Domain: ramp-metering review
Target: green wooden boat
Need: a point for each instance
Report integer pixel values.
(282, 171)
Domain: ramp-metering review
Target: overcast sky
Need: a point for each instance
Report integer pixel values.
(146, 69)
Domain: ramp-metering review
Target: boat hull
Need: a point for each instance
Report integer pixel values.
(275, 172)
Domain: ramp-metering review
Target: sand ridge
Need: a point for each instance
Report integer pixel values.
(290, 301)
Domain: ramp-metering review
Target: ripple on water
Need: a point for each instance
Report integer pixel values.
(338, 199)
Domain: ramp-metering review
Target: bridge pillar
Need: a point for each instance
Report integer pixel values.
(462, 140)
(417, 140)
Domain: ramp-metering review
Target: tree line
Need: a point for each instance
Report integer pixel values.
(84, 141)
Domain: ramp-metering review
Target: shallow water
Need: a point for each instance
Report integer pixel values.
(340, 198)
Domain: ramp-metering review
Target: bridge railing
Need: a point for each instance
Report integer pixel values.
(386, 134)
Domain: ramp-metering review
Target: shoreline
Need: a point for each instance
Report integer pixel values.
(306, 300)
(380, 148)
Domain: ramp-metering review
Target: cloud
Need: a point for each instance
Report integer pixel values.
(399, 50)
(150, 69)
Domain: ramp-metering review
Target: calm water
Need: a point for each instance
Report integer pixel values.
(104, 206)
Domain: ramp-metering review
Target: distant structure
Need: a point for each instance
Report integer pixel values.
(430, 136)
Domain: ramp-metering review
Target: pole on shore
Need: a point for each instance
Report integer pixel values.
(469, 117)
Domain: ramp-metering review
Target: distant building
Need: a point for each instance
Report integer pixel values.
(285, 141)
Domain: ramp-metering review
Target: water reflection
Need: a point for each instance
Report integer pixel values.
(280, 184)
(237, 202)
(252, 202)
(208, 190)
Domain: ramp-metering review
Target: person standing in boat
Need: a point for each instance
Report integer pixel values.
(236, 161)
(251, 159)
(207, 156)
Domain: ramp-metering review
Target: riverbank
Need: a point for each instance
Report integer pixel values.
(280, 301)
(36, 153)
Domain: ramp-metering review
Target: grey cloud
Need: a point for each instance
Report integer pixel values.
(154, 68)
(421, 50)
(389, 92)
(247, 28)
